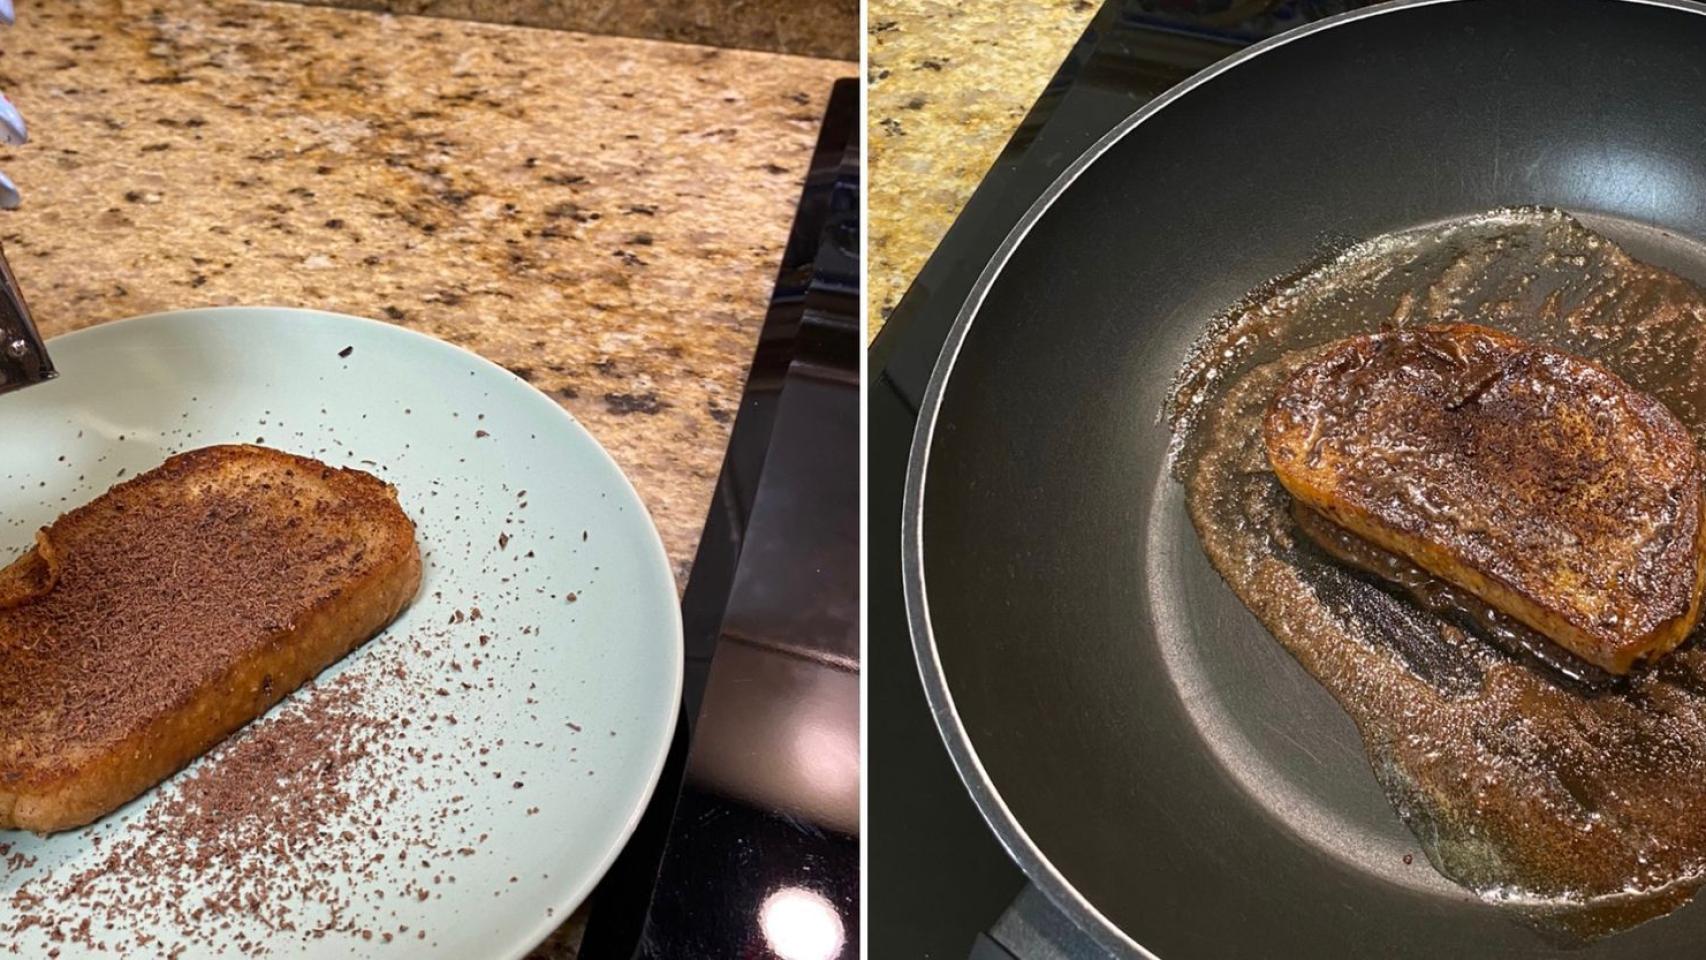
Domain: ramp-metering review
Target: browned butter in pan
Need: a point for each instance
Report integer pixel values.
(1527, 776)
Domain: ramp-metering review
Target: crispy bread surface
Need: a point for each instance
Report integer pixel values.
(1538, 481)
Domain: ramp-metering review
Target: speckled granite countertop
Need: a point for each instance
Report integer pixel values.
(602, 216)
(949, 82)
(819, 28)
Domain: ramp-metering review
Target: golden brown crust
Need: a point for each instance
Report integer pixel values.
(152, 622)
(1538, 481)
(31, 575)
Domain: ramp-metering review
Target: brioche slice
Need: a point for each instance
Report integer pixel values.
(1537, 481)
(146, 626)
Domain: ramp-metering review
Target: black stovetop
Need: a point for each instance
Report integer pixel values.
(936, 877)
(749, 848)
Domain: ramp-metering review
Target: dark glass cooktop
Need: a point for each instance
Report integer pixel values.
(937, 879)
(750, 846)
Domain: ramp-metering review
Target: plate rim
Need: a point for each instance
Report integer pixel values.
(659, 556)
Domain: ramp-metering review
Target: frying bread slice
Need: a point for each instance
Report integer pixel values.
(149, 624)
(1538, 481)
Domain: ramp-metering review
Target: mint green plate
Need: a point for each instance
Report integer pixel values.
(575, 701)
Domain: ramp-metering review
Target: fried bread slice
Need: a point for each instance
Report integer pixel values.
(149, 624)
(1538, 481)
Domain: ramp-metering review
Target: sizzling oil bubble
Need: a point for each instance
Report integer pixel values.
(1575, 798)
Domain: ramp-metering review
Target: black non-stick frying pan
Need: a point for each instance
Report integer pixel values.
(1157, 763)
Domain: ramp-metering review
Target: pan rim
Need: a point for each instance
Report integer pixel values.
(1039, 870)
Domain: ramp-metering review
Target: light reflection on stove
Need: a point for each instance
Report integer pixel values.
(801, 925)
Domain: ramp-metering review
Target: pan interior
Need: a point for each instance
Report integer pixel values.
(1157, 755)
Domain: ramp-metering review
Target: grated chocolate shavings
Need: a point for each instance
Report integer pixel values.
(198, 580)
